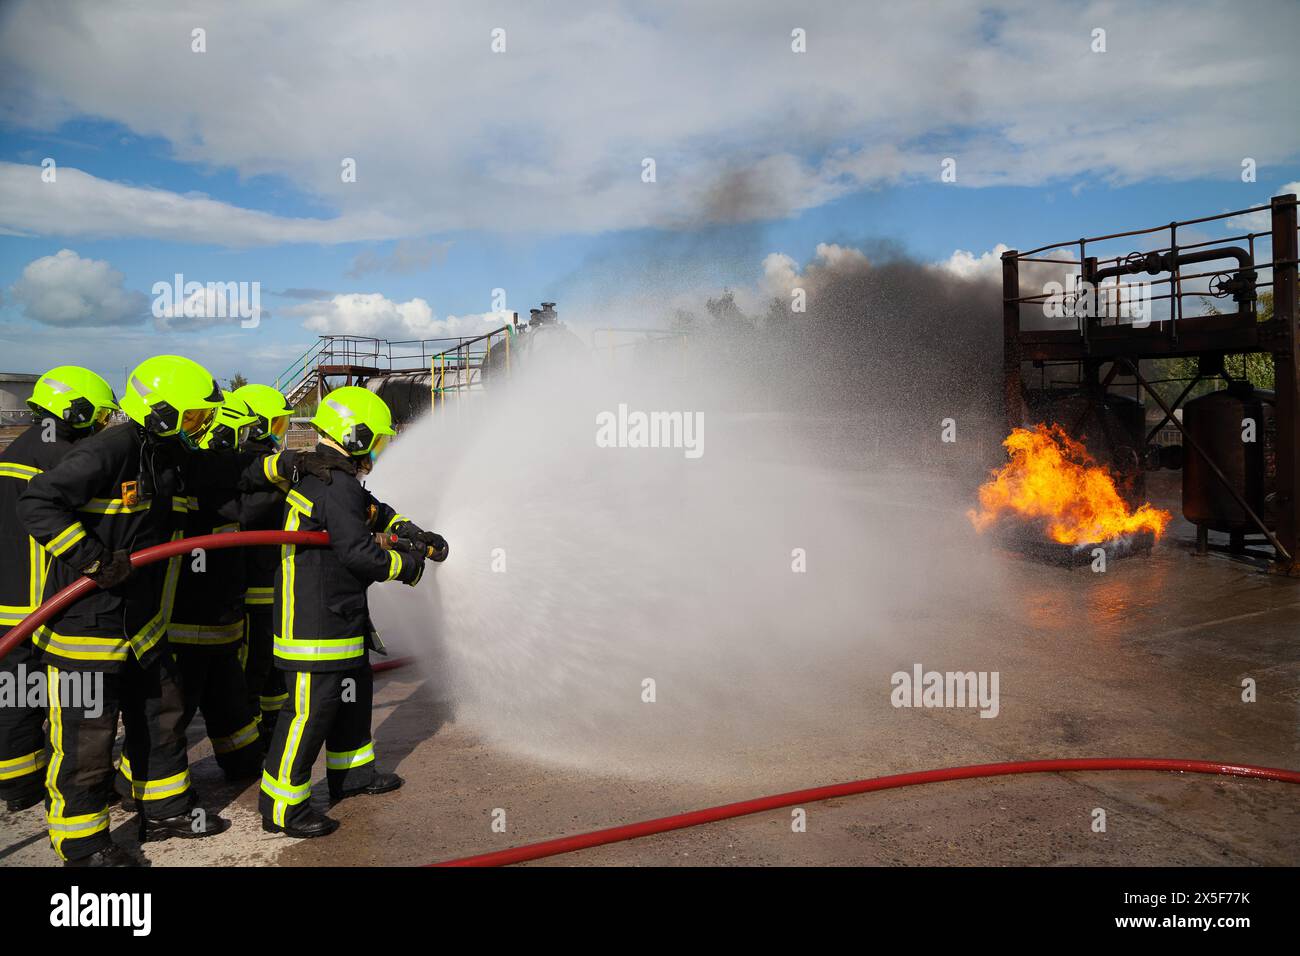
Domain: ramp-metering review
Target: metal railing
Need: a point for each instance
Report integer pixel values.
(462, 361)
(1164, 256)
(374, 355)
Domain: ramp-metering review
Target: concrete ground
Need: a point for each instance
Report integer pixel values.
(1145, 660)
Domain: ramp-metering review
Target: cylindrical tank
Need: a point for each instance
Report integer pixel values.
(15, 389)
(405, 393)
(1221, 422)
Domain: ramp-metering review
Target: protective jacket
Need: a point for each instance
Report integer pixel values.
(121, 489)
(321, 616)
(22, 583)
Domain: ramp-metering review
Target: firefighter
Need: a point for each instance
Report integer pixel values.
(263, 511)
(206, 631)
(68, 404)
(322, 621)
(117, 492)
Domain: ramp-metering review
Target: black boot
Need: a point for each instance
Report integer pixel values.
(381, 783)
(111, 855)
(186, 826)
(311, 824)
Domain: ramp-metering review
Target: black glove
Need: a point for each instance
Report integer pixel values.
(412, 568)
(112, 570)
(436, 543)
(320, 464)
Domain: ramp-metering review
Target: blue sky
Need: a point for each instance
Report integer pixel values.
(521, 169)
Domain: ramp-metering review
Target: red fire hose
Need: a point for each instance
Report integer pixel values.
(161, 552)
(631, 831)
(679, 821)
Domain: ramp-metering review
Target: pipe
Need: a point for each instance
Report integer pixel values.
(631, 831)
(159, 552)
(1154, 263)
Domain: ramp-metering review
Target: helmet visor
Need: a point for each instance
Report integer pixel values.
(102, 415)
(196, 421)
(377, 449)
(279, 426)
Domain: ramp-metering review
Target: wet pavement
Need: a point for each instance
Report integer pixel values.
(1147, 659)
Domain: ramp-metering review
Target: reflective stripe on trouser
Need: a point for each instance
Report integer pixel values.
(154, 767)
(79, 777)
(23, 756)
(154, 789)
(332, 710)
(334, 760)
(212, 682)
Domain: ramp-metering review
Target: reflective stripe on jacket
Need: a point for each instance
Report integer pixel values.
(321, 616)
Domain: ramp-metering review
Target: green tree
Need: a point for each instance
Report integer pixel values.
(237, 381)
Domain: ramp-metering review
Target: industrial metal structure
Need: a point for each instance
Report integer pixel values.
(416, 375)
(1241, 447)
(358, 360)
(15, 389)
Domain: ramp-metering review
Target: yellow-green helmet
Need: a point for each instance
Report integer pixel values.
(356, 418)
(171, 395)
(74, 394)
(271, 408)
(231, 425)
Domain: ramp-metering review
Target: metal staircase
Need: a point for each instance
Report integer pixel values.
(453, 363)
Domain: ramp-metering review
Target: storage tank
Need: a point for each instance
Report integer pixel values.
(15, 389)
(407, 394)
(1217, 422)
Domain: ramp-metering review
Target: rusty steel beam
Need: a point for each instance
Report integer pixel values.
(1286, 364)
(1012, 354)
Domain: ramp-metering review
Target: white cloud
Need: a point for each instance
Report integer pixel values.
(210, 305)
(1259, 221)
(967, 265)
(79, 205)
(551, 134)
(372, 314)
(67, 290)
(781, 273)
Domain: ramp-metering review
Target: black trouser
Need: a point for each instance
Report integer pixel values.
(330, 709)
(22, 731)
(265, 680)
(79, 780)
(212, 680)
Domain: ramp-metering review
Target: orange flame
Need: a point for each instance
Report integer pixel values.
(1052, 478)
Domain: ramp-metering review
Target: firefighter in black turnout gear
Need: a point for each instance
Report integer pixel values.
(121, 490)
(322, 622)
(206, 629)
(69, 403)
(263, 511)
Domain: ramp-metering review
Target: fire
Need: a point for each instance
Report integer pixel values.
(1052, 478)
